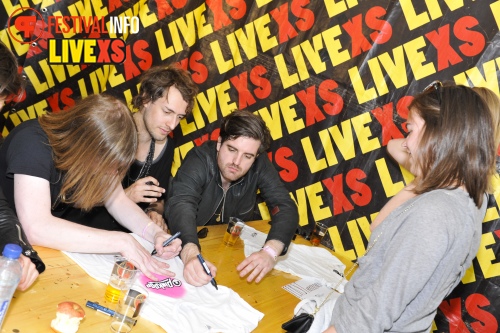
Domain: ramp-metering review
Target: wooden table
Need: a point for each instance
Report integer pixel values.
(31, 311)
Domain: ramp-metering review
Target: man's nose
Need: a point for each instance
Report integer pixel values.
(172, 122)
(237, 159)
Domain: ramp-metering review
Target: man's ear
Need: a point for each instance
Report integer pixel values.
(219, 143)
(147, 104)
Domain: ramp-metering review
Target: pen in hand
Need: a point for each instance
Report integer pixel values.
(205, 267)
(168, 241)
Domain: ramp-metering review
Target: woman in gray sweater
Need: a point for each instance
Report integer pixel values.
(426, 236)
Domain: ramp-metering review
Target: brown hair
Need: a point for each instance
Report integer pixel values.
(10, 80)
(156, 82)
(493, 103)
(244, 123)
(457, 145)
(94, 144)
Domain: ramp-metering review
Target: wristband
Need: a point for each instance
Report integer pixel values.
(144, 230)
(270, 251)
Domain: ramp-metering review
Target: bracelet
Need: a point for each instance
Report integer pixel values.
(144, 230)
(270, 251)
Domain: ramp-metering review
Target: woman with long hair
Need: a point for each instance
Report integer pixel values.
(427, 235)
(77, 159)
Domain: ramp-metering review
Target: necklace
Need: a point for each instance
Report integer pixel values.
(146, 166)
(354, 265)
(221, 205)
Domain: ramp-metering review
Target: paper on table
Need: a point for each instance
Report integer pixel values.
(306, 288)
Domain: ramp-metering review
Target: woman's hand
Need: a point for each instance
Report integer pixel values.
(171, 250)
(145, 190)
(142, 259)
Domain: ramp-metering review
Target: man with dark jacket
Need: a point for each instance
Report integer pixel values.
(219, 180)
(11, 84)
(11, 232)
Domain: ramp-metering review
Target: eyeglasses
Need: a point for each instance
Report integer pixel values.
(435, 86)
(203, 232)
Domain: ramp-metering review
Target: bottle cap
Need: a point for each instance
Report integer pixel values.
(12, 251)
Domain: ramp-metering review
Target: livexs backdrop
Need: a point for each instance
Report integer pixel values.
(331, 78)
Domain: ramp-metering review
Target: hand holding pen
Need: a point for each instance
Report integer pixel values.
(168, 241)
(207, 270)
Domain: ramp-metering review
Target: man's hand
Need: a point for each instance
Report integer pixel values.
(157, 219)
(258, 264)
(330, 329)
(143, 189)
(29, 274)
(193, 270)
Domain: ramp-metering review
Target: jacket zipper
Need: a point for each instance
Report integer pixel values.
(19, 234)
(223, 200)
(26, 252)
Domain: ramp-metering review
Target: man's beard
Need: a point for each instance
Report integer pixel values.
(152, 134)
(231, 175)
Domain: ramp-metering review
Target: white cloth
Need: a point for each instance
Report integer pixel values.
(200, 310)
(323, 317)
(308, 262)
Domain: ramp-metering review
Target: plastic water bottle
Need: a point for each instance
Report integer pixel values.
(10, 275)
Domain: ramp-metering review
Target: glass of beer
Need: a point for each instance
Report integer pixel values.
(122, 277)
(128, 308)
(318, 233)
(233, 230)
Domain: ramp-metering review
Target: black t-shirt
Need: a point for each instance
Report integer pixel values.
(26, 151)
(160, 169)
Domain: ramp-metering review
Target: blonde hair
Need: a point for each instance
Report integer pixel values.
(93, 144)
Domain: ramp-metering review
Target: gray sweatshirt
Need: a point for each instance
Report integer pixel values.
(423, 249)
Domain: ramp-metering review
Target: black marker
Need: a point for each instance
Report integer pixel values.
(168, 241)
(205, 267)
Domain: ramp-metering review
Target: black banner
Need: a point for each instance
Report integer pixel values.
(331, 78)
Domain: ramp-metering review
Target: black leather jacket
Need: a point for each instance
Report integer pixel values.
(12, 232)
(196, 192)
